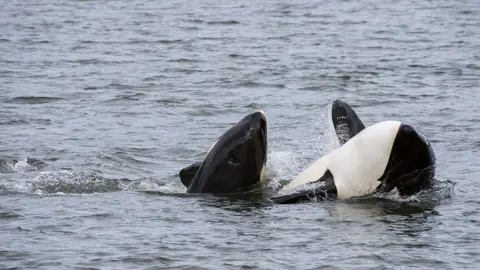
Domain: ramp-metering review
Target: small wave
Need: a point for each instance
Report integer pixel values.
(184, 60)
(466, 12)
(186, 71)
(91, 88)
(322, 15)
(137, 150)
(88, 42)
(254, 105)
(33, 100)
(14, 122)
(419, 66)
(259, 85)
(236, 55)
(311, 88)
(127, 97)
(116, 85)
(98, 216)
(127, 157)
(155, 78)
(171, 101)
(96, 61)
(222, 38)
(229, 22)
(202, 112)
(350, 22)
(32, 41)
(9, 215)
(169, 41)
(473, 66)
(189, 28)
(195, 21)
(412, 41)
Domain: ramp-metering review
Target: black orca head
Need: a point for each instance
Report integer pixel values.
(235, 161)
(411, 165)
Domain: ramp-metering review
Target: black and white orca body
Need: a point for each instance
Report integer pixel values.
(235, 162)
(379, 158)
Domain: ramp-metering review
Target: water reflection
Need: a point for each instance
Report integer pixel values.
(250, 203)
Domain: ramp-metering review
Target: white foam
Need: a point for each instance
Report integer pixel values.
(169, 187)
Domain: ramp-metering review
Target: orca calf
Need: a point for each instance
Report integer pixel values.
(379, 158)
(234, 163)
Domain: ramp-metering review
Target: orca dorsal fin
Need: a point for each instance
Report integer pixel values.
(186, 174)
(345, 120)
(312, 192)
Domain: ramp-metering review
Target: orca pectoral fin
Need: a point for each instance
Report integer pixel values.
(300, 196)
(186, 174)
(307, 195)
(321, 190)
(345, 120)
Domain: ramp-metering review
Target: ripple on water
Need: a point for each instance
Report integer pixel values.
(127, 97)
(250, 84)
(8, 215)
(227, 22)
(33, 100)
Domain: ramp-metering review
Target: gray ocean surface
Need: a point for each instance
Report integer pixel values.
(103, 102)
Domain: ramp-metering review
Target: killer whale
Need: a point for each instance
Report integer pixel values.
(235, 162)
(378, 158)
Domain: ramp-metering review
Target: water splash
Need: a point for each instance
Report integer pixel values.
(439, 191)
(67, 182)
(21, 165)
(150, 185)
